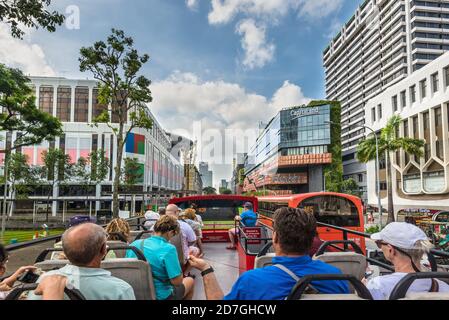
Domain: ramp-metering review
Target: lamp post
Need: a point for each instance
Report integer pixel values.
(379, 203)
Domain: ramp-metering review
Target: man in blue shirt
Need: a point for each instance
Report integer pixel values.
(248, 219)
(294, 230)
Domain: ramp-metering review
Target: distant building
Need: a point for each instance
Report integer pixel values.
(224, 184)
(206, 174)
(192, 180)
(236, 183)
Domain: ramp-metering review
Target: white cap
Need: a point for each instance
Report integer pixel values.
(400, 234)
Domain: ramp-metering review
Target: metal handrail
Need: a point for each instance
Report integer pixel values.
(31, 243)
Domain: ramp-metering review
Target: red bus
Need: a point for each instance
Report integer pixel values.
(337, 209)
(216, 211)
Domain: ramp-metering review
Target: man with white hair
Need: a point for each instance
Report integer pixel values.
(85, 247)
(404, 245)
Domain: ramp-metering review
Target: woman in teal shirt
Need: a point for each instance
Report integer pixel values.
(163, 259)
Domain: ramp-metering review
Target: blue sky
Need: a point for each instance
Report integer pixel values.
(225, 63)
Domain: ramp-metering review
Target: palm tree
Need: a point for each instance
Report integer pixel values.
(388, 144)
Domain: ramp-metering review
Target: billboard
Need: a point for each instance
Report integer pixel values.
(135, 143)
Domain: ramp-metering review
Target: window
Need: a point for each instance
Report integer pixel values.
(394, 102)
(379, 111)
(360, 177)
(446, 76)
(383, 185)
(423, 86)
(438, 117)
(63, 104)
(81, 104)
(413, 94)
(403, 100)
(46, 99)
(97, 108)
(373, 114)
(435, 82)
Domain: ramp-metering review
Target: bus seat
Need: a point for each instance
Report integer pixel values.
(426, 296)
(48, 265)
(140, 234)
(177, 242)
(264, 261)
(135, 272)
(119, 253)
(351, 296)
(348, 262)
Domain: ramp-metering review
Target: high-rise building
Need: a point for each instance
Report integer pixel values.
(381, 44)
(206, 174)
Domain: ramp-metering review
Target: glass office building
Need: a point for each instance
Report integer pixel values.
(291, 151)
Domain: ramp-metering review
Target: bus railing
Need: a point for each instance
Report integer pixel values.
(433, 252)
(21, 245)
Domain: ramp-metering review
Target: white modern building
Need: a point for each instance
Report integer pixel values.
(381, 44)
(422, 100)
(75, 104)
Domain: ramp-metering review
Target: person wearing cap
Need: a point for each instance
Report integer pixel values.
(248, 218)
(404, 245)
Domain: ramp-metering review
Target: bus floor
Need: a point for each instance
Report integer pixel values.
(225, 263)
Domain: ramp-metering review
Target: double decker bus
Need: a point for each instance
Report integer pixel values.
(216, 211)
(329, 208)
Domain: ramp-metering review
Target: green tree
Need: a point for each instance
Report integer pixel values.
(209, 190)
(90, 172)
(116, 65)
(21, 177)
(57, 170)
(350, 186)
(389, 143)
(21, 115)
(29, 13)
(225, 191)
(132, 173)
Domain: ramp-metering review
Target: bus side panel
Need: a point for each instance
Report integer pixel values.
(328, 234)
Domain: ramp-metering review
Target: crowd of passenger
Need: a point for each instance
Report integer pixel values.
(85, 245)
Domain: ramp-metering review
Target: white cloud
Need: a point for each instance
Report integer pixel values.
(265, 13)
(192, 4)
(23, 54)
(183, 101)
(257, 51)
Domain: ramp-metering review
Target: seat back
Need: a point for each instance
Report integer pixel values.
(400, 291)
(348, 262)
(426, 296)
(177, 242)
(114, 243)
(135, 272)
(264, 261)
(48, 265)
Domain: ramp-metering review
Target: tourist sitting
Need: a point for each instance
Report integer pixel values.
(248, 218)
(404, 245)
(85, 247)
(293, 234)
(150, 219)
(118, 230)
(188, 236)
(7, 283)
(163, 258)
(74, 221)
(189, 216)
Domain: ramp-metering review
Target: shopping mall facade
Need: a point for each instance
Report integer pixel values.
(75, 104)
(292, 151)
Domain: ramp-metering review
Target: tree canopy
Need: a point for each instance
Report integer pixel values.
(29, 13)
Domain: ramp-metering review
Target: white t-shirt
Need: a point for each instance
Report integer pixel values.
(381, 287)
(188, 235)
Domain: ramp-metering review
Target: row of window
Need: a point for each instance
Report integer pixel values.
(401, 101)
(435, 46)
(430, 4)
(433, 25)
(304, 150)
(430, 35)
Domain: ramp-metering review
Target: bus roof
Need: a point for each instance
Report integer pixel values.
(300, 196)
(213, 197)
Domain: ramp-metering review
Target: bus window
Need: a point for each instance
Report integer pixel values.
(268, 208)
(215, 210)
(332, 210)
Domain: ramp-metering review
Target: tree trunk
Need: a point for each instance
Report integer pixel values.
(389, 189)
(117, 170)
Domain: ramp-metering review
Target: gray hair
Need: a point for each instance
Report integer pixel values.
(83, 250)
(421, 248)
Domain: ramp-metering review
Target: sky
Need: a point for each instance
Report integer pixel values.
(218, 67)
